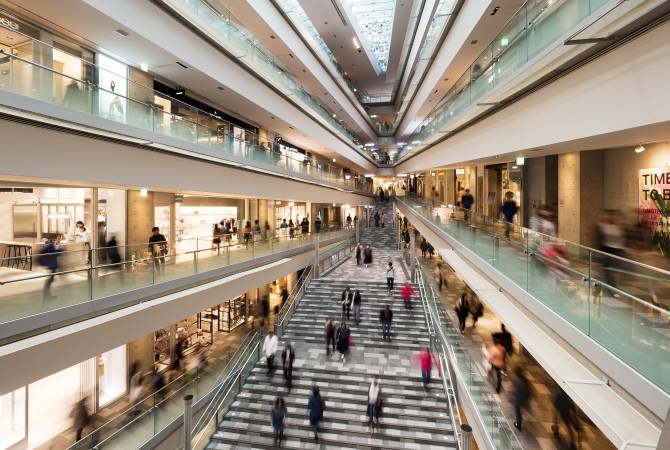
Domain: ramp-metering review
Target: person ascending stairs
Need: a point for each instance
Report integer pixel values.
(386, 318)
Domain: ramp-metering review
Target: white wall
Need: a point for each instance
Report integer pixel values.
(626, 89)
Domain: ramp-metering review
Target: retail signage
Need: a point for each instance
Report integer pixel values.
(12, 24)
(654, 204)
(9, 23)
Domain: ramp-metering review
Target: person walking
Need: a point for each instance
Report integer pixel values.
(377, 219)
(476, 310)
(520, 396)
(359, 250)
(367, 256)
(426, 361)
(348, 221)
(496, 357)
(565, 410)
(278, 419)
(291, 229)
(467, 200)
(287, 358)
(315, 405)
(330, 336)
(347, 298)
(390, 276)
(343, 336)
(441, 281)
(247, 234)
(374, 404)
(158, 247)
(406, 293)
(357, 306)
(505, 339)
(80, 417)
(48, 258)
(509, 210)
(270, 348)
(386, 319)
(462, 311)
(304, 226)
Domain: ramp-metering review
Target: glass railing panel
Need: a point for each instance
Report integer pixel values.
(620, 303)
(45, 84)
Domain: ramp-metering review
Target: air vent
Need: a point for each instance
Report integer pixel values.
(122, 32)
(495, 10)
(180, 64)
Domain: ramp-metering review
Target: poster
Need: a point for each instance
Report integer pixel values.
(654, 205)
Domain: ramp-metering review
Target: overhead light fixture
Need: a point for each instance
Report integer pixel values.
(504, 41)
(334, 160)
(373, 116)
(144, 67)
(334, 205)
(356, 44)
(515, 167)
(639, 149)
(334, 115)
(370, 144)
(402, 175)
(416, 142)
(410, 147)
(144, 192)
(369, 175)
(401, 144)
(460, 171)
(277, 202)
(520, 161)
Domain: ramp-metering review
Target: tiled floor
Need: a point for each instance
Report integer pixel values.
(538, 419)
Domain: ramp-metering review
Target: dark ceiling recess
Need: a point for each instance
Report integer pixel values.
(474, 41)
(495, 10)
(182, 65)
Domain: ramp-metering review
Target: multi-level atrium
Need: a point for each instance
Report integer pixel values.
(448, 218)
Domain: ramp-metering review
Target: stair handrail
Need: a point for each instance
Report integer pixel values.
(449, 354)
(232, 382)
(286, 312)
(437, 344)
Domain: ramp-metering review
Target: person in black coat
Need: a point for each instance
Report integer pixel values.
(357, 306)
(359, 250)
(505, 338)
(287, 358)
(520, 396)
(386, 319)
(342, 338)
(462, 311)
(347, 299)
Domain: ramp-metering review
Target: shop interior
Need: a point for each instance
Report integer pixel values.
(503, 178)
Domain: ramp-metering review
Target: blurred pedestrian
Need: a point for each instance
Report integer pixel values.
(287, 358)
(505, 338)
(612, 240)
(135, 390)
(247, 234)
(343, 338)
(367, 256)
(291, 229)
(49, 259)
(520, 395)
(386, 319)
(330, 336)
(304, 226)
(315, 405)
(426, 361)
(346, 300)
(439, 276)
(374, 404)
(357, 306)
(278, 419)
(406, 293)
(496, 357)
(467, 200)
(566, 411)
(390, 276)
(476, 310)
(462, 310)
(270, 349)
(359, 250)
(80, 417)
(509, 210)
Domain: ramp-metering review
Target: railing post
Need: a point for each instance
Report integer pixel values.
(316, 255)
(188, 420)
(466, 433)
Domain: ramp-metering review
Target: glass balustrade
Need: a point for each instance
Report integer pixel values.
(448, 343)
(69, 278)
(220, 381)
(153, 413)
(220, 24)
(213, 134)
(621, 304)
(537, 26)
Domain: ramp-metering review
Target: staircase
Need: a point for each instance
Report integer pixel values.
(413, 418)
(381, 238)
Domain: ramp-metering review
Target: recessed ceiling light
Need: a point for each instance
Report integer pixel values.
(121, 32)
(374, 116)
(221, 88)
(474, 41)
(639, 149)
(291, 128)
(144, 67)
(272, 36)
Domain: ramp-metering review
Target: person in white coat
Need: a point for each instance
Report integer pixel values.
(270, 348)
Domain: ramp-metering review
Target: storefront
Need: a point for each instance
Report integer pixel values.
(501, 179)
(37, 213)
(34, 414)
(289, 211)
(196, 217)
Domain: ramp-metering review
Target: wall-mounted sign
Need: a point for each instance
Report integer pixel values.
(654, 204)
(13, 24)
(460, 171)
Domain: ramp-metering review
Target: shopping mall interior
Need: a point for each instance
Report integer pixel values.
(335, 224)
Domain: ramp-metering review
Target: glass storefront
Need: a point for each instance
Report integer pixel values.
(111, 370)
(288, 211)
(12, 418)
(195, 224)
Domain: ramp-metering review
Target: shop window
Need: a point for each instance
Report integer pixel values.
(12, 418)
(111, 370)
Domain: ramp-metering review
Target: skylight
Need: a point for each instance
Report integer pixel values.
(374, 21)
